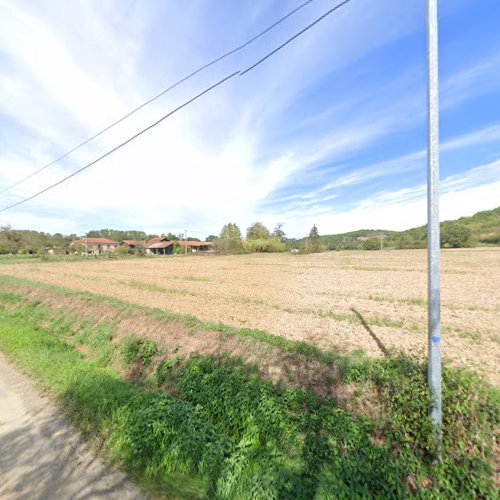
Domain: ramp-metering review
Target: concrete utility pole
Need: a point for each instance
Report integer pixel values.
(185, 240)
(433, 243)
(381, 241)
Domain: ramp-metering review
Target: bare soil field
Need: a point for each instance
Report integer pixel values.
(374, 301)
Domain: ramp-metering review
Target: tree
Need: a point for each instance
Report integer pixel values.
(314, 243)
(371, 244)
(230, 232)
(229, 239)
(279, 233)
(455, 236)
(257, 231)
(211, 237)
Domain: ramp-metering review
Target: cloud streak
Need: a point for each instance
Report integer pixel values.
(322, 125)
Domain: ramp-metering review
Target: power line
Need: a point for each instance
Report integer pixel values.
(157, 96)
(130, 139)
(220, 82)
(301, 32)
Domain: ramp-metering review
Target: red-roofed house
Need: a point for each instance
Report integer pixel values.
(160, 246)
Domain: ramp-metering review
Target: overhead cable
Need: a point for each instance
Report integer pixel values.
(157, 96)
(220, 82)
(301, 32)
(111, 151)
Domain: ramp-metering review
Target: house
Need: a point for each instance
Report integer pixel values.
(96, 246)
(159, 246)
(133, 245)
(197, 246)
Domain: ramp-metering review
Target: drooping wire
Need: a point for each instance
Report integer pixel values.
(130, 139)
(301, 32)
(220, 82)
(157, 96)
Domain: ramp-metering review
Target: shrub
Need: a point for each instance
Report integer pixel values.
(229, 246)
(455, 236)
(371, 244)
(264, 245)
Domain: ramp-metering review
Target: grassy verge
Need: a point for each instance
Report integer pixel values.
(292, 346)
(211, 427)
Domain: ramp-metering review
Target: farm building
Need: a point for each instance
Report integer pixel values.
(96, 246)
(160, 246)
(133, 245)
(197, 246)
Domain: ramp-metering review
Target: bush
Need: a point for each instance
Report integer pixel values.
(264, 245)
(455, 236)
(229, 246)
(178, 249)
(123, 250)
(371, 244)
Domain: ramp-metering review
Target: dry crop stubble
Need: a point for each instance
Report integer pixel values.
(336, 300)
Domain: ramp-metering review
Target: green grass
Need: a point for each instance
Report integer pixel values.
(138, 285)
(211, 427)
(322, 313)
(202, 279)
(42, 259)
(136, 349)
(416, 301)
(191, 322)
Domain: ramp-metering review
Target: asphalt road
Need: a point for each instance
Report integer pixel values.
(41, 456)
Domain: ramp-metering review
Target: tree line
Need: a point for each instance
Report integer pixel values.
(482, 228)
(260, 239)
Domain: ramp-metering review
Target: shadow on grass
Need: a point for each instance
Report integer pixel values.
(229, 434)
(367, 327)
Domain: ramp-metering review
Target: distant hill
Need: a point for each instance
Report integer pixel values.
(482, 228)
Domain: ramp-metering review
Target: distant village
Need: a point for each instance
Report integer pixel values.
(154, 246)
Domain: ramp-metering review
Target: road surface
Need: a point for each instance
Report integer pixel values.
(41, 456)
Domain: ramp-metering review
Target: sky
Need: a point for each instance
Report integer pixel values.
(330, 131)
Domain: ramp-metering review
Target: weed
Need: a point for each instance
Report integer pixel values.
(137, 349)
(202, 279)
(163, 370)
(416, 301)
(138, 285)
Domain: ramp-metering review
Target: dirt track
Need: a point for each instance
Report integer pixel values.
(41, 457)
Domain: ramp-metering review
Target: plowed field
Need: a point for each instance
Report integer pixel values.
(374, 301)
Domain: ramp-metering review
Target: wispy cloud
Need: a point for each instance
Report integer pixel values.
(319, 124)
(476, 79)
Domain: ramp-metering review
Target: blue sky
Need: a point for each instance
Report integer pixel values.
(331, 130)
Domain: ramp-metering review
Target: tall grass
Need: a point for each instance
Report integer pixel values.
(211, 427)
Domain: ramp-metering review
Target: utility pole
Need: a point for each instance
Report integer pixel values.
(185, 241)
(381, 241)
(433, 243)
